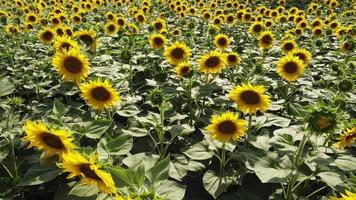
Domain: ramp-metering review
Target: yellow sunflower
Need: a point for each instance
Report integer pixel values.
(88, 37)
(290, 67)
(99, 94)
(288, 46)
(348, 196)
(46, 35)
(212, 62)
(347, 138)
(71, 65)
(183, 69)
(250, 98)
(346, 46)
(157, 41)
(222, 41)
(65, 43)
(89, 171)
(177, 53)
(265, 40)
(256, 27)
(140, 17)
(53, 142)
(317, 31)
(227, 127)
(302, 54)
(159, 24)
(111, 28)
(233, 59)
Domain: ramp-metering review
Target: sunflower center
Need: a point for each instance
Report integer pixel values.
(73, 64)
(158, 26)
(52, 140)
(230, 19)
(317, 32)
(267, 39)
(121, 22)
(257, 28)
(100, 93)
(250, 97)
(48, 35)
(158, 41)
(324, 122)
(32, 18)
(185, 70)
(87, 39)
(212, 61)
(288, 46)
(301, 56)
(140, 18)
(111, 28)
(232, 58)
(333, 25)
(222, 41)
(350, 137)
(291, 67)
(60, 32)
(66, 46)
(88, 172)
(227, 127)
(178, 53)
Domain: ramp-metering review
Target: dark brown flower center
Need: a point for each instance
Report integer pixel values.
(232, 58)
(87, 39)
(158, 41)
(230, 19)
(60, 32)
(76, 19)
(47, 35)
(250, 97)
(111, 28)
(291, 67)
(66, 46)
(212, 62)
(52, 140)
(100, 93)
(73, 64)
(158, 26)
(88, 172)
(140, 18)
(289, 46)
(266, 39)
(121, 22)
(32, 18)
(301, 56)
(227, 127)
(185, 70)
(222, 41)
(317, 32)
(257, 28)
(178, 53)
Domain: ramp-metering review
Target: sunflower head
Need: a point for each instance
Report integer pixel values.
(302, 54)
(177, 52)
(256, 27)
(265, 39)
(212, 62)
(159, 24)
(347, 46)
(47, 35)
(156, 97)
(227, 127)
(64, 43)
(345, 85)
(111, 28)
(88, 37)
(322, 119)
(317, 31)
(250, 99)
(157, 41)
(288, 46)
(346, 138)
(233, 59)
(183, 69)
(222, 41)
(290, 67)
(99, 94)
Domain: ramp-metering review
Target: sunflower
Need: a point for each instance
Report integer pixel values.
(71, 64)
(348, 196)
(31, 18)
(159, 24)
(346, 46)
(59, 30)
(265, 40)
(302, 54)
(183, 69)
(88, 37)
(111, 28)
(157, 41)
(89, 171)
(288, 46)
(227, 127)
(290, 67)
(177, 53)
(176, 32)
(222, 41)
(317, 23)
(322, 119)
(250, 98)
(99, 94)
(212, 62)
(334, 25)
(256, 27)
(53, 142)
(46, 35)
(347, 138)
(233, 59)
(317, 32)
(65, 43)
(140, 18)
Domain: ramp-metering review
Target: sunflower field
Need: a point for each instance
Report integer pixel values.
(177, 99)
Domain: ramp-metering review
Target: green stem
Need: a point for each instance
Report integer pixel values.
(222, 161)
(161, 131)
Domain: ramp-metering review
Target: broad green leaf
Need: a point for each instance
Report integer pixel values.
(179, 167)
(83, 190)
(345, 162)
(128, 177)
(95, 129)
(136, 132)
(6, 87)
(128, 111)
(37, 174)
(160, 171)
(58, 108)
(199, 151)
(214, 184)
(332, 179)
(171, 190)
(4, 149)
(120, 145)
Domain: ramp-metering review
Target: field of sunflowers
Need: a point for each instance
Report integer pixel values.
(177, 99)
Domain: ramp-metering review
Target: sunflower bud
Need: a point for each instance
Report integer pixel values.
(156, 97)
(126, 55)
(345, 85)
(322, 119)
(319, 43)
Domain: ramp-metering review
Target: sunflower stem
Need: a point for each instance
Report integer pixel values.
(222, 161)
(190, 101)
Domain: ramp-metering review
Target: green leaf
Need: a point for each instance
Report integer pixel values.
(83, 190)
(128, 111)
(6, 87)
(276, 121)
(332, 179)
(199, 151)
(179, 167)
(4, 149)
(128, 177)
(40, 174)
(136, 132)
(160, 171)
(346, 162)
(121, 145)
(58, 108)
(214, 184)
(171, 190)
(95, 129)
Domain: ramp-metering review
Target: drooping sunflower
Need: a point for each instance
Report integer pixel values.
(302, 54)
(265, 40)
(99, 94)
(288, 46)
(88, 37)
(111, 28)
(46, 35)
(222, 41)
(177, 53)
(65, 43)
(212, 62)
(227, 127)
(233, 59)
(256, 27)
(157, 41)
(290, 67)
(71, 64)
(183, 69)
(89, 171)
(53, 142)
(250, 98)
(346, 138)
